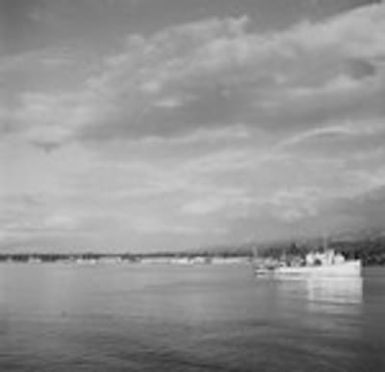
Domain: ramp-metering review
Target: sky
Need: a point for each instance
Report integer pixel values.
(144, 125)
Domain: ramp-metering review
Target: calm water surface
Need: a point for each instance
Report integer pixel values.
(57, 317)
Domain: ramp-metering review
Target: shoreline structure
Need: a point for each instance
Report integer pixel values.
(122, 258)
(371, 252)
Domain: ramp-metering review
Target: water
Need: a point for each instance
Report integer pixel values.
(58, 317)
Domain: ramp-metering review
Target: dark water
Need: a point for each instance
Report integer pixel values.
(58, 317)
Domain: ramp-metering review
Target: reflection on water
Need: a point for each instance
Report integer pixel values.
(326, 294)
(198, 319)
(337, 303)
(336, 290)
(316, 304)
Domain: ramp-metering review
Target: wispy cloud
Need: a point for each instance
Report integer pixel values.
(297, 77)
(208, 125)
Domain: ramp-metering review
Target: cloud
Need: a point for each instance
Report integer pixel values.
(40, 59)
(32, 214)
(224, 200)
(341, 131)
(309, 74)
(48, 119)
(218, 73)
(150, 225)
(210, 126)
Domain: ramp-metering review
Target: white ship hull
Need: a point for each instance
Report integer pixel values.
(348, 268)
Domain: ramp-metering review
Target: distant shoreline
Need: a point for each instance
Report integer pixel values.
(122, 258)
(370, 251)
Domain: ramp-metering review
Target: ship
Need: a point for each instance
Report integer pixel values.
(317, 264)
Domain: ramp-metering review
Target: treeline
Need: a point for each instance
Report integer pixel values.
(370, 251)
